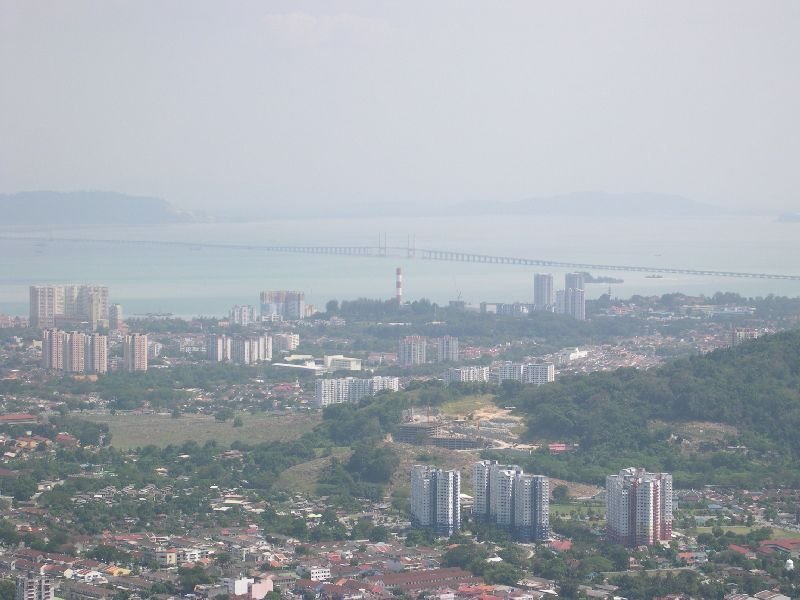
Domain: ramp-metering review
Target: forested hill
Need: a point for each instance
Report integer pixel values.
(86, 208)
(754, 387)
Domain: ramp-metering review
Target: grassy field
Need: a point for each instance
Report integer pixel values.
(467, 404)
(131, 431)
(303, 478)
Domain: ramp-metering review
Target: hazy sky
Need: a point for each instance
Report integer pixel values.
(235, 103)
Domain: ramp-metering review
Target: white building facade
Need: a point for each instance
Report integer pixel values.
(436, 499)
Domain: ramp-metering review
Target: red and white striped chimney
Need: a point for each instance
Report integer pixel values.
(399, 286)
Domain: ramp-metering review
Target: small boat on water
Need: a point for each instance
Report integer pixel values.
(654, 276)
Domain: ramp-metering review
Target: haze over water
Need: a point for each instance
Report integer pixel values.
(205, 281)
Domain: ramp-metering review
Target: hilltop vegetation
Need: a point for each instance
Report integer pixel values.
(754, 387)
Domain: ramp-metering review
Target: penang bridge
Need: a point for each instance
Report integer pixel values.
(411, 252)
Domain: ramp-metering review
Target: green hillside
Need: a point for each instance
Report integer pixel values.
(635, 417)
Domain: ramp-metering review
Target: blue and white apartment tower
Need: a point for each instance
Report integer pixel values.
(435, 499)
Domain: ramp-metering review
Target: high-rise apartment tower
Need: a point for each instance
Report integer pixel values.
(639, 507)
(436, 499)
(543, 294)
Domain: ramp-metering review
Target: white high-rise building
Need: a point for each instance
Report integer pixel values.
(250, 349)
(116, 318)
(351, 389)
(466, 374)
(506, 370)
(92, 305)
(53, 349)
(531, 507)
(384, 383)
(538, 373)
(744, 334)
(134, 352)
(285, 342)
(501, 494)
(506, 496)
(639, 507)
(46, 301)
(435, 499)
(574, 303)
(242, 315)
(218, 347)
(33, 587)
(447, 349)
(96, 353)
(413, 350)
(543, 295)
(74, 352)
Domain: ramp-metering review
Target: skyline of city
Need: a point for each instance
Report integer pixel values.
(399, 300)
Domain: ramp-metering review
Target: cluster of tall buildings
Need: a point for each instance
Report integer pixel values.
(351, 389)
(507, 497)
(282, 305)
(436, 499)
(73, 306)
(74, 351)
(503, 495)
(414, 349)
(569, 301)
(639, 507)
(239, 349)
(639, 503)
(78, 352)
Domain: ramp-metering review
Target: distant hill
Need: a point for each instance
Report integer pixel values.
(599, 204)
(576, 204)
(86, 208)
(750, 392)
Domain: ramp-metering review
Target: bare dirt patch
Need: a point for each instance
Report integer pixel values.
(697, 436)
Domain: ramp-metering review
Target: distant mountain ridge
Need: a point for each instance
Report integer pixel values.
(575, 204)
(86, 208)
(600, 204)
(49, 208)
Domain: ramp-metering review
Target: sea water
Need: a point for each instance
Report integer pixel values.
(202, 280)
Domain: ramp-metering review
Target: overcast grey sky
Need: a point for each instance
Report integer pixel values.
(241, 103)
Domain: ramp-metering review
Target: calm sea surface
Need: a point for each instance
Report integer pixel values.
(207, 281)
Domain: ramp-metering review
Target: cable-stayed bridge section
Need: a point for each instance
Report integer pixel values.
(411, 252)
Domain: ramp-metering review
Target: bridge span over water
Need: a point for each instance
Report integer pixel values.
(410, 252)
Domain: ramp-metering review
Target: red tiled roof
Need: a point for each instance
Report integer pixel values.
(431, 578)
(10, 418)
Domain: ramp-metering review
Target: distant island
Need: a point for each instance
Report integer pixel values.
(590, 204)
(601, 204)
(789, 217)
(589, 278)
(48, 208)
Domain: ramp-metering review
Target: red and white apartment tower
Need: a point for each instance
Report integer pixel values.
(639, 507)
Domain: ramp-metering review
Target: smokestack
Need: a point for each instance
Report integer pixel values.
(399, 286)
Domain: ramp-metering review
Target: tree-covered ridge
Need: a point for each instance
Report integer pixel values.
(754, 387)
